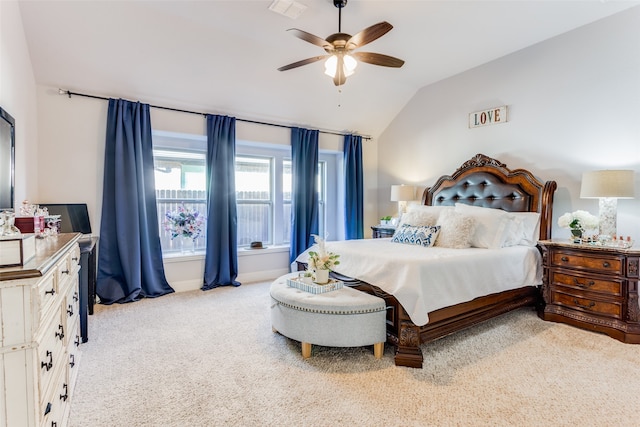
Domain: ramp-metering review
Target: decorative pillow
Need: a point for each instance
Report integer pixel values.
(422, 215)
(492, 225)
(456, 230)
(422, 235)
(418, 218)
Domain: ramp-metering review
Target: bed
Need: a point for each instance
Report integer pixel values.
(479, 182)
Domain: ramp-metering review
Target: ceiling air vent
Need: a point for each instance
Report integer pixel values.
(288, 8)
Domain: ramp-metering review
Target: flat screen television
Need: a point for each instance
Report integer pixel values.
(74, 217)
(7, 159)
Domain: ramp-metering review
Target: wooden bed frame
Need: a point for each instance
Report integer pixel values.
(480, 181)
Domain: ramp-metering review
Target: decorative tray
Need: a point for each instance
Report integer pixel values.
(315, 288)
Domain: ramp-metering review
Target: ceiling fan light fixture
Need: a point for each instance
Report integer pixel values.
(348, 67)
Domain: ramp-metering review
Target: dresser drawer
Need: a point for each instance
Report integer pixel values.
(50, 353)
(47, 292)
(608, 308)
(71, 308)
(53, 401)
(583, 261)
(593, 284)
(64, 269)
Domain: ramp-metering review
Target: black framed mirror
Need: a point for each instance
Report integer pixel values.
(7, 159)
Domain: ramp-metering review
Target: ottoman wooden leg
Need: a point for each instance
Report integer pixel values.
(306, 350)
(378, 350)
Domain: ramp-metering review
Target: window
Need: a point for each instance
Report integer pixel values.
(180, 180)
(263, 188)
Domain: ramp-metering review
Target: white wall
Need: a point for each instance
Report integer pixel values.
(574, 106)
(18, 98)
(71, 155)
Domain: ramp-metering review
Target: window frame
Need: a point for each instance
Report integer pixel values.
(330, 202)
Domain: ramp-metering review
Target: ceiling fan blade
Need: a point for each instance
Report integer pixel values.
(378, 59)
(369, 34)
(339, 79)
(308, 37)
(303, 62)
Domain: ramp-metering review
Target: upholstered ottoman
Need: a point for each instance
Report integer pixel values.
(342, 318)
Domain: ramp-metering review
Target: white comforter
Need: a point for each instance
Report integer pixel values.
(426, 279)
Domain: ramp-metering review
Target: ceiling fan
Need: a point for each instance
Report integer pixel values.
(339, 46)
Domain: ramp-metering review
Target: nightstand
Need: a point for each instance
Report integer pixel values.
(380, 231)
(592, 287)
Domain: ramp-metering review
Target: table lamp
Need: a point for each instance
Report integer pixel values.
(402, 194)
(608, 186)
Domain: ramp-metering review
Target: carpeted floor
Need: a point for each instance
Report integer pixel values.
(210, 359)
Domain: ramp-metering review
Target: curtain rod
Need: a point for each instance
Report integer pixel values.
(69, 93)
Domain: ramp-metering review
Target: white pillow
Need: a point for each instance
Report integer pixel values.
(417, 218)
(456, 230)
(525, 229)
(418, 215)
(492, 225)
(423, 235)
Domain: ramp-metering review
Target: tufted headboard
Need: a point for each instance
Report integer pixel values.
(483, 181)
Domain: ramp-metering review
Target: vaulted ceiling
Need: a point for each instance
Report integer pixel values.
(222, 56)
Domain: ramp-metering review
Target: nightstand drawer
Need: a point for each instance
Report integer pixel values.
(598, 263)
(609, 308)
(609, 287)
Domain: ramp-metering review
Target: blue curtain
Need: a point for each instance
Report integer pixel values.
(221, 259)
(354, 219)
(130, 257)
(304, 197)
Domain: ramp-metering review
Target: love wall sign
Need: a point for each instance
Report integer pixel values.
(491, 116)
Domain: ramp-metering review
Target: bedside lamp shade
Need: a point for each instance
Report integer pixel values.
(402, 194)
(608, 186)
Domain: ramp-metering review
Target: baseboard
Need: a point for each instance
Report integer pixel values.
(256, 276)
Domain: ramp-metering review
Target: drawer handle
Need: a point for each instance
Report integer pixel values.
(60, 334)
(75, 258)
(48, 365)
(564, 259)
(587, 285)
(65, 272)
(64, 396)
(77, 341)
(606, 264)
(72, 360)
(70, 310)
(75, 296)
(587, 307)
(51, 292)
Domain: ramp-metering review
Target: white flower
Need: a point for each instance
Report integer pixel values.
(578, 220)
(322, 260)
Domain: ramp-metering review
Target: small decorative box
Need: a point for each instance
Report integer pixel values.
(17, 250)
(315, 288)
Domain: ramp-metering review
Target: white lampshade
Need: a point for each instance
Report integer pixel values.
(608, 186)
(607, 183)
(402, 193)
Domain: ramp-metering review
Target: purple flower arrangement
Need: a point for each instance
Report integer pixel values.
(184, 222)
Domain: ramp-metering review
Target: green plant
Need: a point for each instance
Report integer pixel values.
(385, 218)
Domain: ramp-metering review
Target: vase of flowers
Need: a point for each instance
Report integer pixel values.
(578, 222)
(185, 224)
(321, 261)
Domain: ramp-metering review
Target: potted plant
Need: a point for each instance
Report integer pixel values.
(321, 262)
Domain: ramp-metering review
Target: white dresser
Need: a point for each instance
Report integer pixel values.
(39, 321)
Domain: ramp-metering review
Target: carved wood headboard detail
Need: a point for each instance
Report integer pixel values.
(486, 182)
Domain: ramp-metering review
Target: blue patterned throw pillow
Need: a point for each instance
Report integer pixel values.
(424, 235)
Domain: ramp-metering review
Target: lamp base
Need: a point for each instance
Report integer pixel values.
(608, 216)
